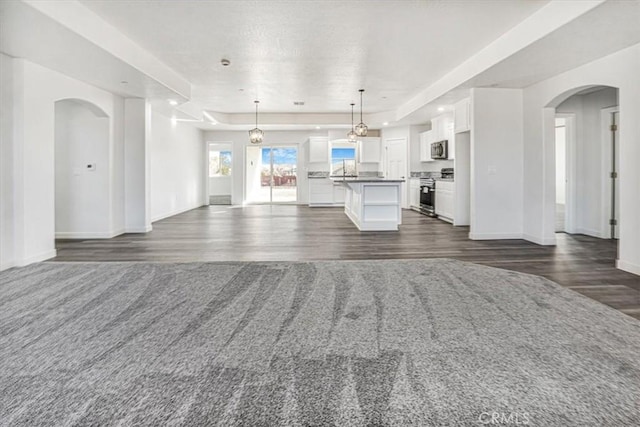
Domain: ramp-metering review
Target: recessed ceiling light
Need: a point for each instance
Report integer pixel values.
(317, 127)
(173, 102)
(385, 124)
(440, 109)
(225, 62)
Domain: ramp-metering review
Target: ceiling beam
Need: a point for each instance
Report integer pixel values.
(543, 22)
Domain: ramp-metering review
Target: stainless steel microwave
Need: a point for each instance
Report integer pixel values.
(439, 150)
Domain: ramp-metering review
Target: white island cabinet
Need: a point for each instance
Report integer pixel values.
(373, 204)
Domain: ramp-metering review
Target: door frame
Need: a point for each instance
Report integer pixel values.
(570, 172)
(605, 156)
(207, 184)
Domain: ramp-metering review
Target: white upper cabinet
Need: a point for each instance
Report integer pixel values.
(425, 146)
(441, 129)
(449, 135)
(369, 150)
(319, 149)
(462, 116)
(437, 128)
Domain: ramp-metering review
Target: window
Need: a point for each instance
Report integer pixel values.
(219, 163)
(343, 161)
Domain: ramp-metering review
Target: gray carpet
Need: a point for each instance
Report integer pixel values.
(363, 343)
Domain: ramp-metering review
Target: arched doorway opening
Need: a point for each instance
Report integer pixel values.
(82, 170)
(586, 170)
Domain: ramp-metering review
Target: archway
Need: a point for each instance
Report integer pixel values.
(82, 165)
(592, 168)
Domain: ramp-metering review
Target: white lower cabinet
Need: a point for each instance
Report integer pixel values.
(414, 193)
(320, 192)
(445, 200)
(338, 194)
(324, 192)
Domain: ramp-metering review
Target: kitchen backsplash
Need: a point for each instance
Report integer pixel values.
(317, 174)
(321, 174)
(422, 174)
(369, 174)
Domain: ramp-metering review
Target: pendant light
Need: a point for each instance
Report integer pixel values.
(361, 128)
(256, 135)
(352, 136)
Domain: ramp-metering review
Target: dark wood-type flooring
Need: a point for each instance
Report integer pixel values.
(291, 233)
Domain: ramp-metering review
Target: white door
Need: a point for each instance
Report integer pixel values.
(271, 174)
(219, 174)
(396, 164)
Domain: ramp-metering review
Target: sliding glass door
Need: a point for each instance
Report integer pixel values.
(272, 174)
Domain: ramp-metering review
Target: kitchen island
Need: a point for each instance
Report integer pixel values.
(373, 204)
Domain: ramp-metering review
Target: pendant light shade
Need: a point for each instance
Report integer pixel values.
(361, 128)
(256, 135)
(352, 136)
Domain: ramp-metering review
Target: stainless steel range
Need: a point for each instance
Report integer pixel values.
(428, 196)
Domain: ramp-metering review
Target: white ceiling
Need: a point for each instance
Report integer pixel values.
(412, 57)
(319, 52)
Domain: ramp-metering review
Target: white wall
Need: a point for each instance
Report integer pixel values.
(34, 90)
(7, 250)
(619, 70)
(177, 167)
(220, 186)
(496, 164)
(137, 165)
(81, 193)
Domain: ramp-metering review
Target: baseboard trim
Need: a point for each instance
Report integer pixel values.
(628, 267)
(87, 235)
(36, 258)
(146, 229)
(544, 241)
(494, 236)
(177, 212)
(590, 232)
(7, 265)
